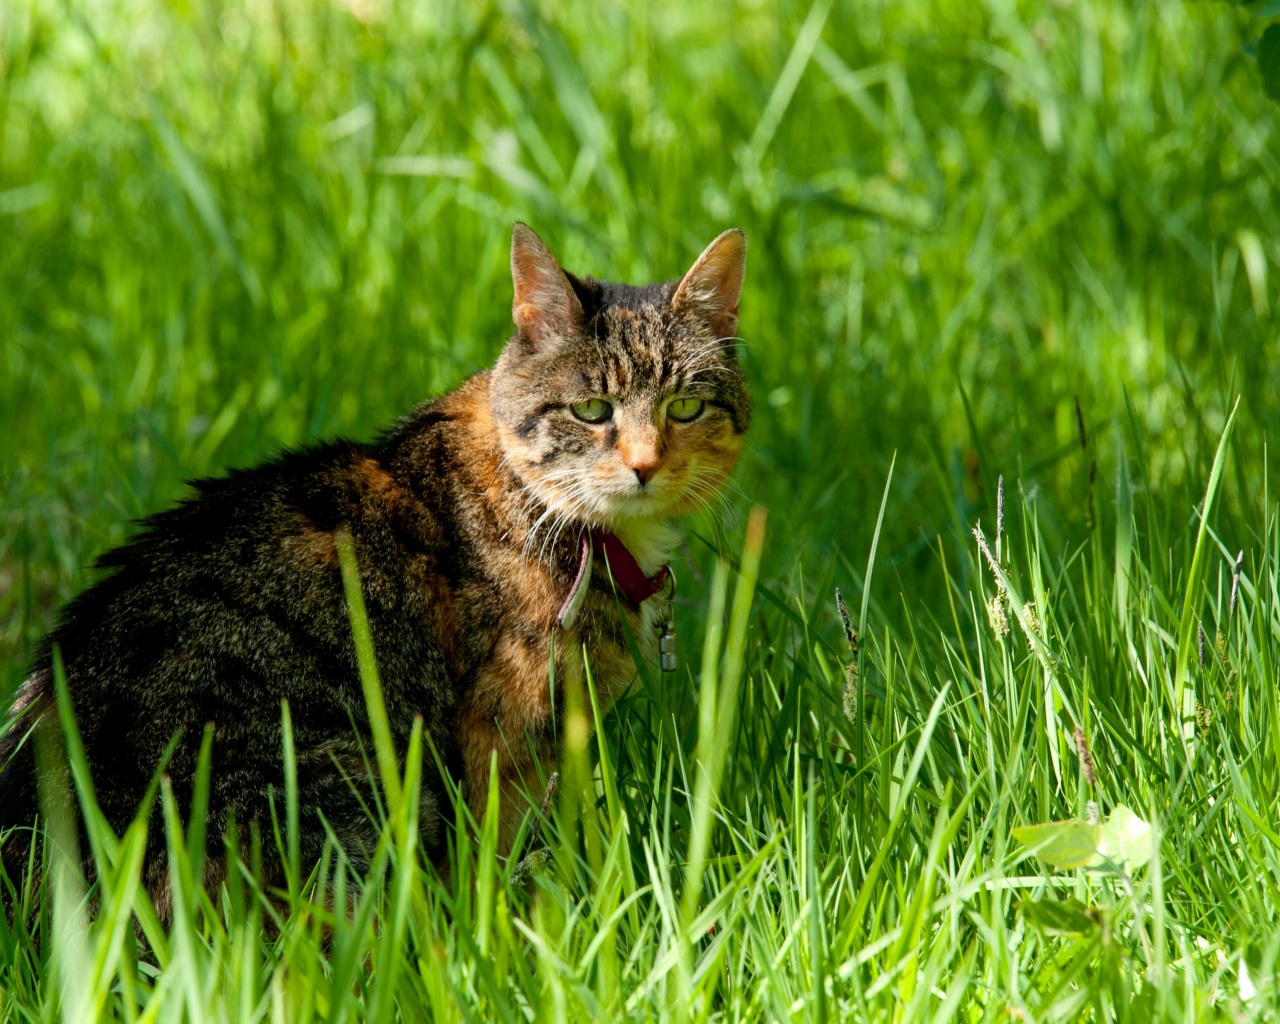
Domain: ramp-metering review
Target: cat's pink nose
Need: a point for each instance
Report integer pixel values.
(644, 466)
(642, 456)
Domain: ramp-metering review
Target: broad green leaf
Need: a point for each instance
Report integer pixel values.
(1062, 844)
(1125, 839)
(1054, 917)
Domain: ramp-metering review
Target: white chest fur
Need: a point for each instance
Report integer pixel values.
(651, 541)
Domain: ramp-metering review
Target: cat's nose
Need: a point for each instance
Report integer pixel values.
(643, 462)
(644, 472)
(642, 455)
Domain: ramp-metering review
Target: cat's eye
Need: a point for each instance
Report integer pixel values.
(686, 409)
(593, 410)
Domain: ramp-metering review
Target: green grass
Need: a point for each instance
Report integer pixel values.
(991, 239)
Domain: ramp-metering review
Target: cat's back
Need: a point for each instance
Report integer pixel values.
(244, 550)
(232, 601)
(261, 542)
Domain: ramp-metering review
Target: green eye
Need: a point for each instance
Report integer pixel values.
(593, 410)
(685, 409)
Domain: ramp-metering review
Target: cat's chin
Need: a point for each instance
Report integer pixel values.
(641, 507)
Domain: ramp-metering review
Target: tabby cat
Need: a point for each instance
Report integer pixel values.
(495, 528)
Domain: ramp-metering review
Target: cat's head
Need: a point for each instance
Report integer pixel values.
(618, 403)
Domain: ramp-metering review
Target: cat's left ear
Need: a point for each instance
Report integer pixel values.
(711, 288)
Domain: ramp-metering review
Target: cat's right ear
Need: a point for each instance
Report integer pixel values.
(546, 308)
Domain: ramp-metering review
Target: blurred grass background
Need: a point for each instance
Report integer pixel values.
(1034, 240)
(230, 227)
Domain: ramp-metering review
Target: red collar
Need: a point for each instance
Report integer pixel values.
(625, 569)
(622, 566)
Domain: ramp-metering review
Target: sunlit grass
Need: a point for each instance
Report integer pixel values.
(1029, 241)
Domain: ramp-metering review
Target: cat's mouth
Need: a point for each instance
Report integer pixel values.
(635, 503)
(657, 499)
(641, 501)
(604, 499)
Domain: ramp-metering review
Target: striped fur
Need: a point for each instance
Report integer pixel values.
(465, 518)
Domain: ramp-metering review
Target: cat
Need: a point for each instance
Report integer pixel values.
(496, 528)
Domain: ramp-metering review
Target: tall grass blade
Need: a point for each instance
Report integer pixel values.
(1184, 694)
(375, 705)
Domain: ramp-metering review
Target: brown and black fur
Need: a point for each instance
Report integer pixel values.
(465, 518)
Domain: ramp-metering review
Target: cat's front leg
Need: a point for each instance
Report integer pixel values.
(507, 713)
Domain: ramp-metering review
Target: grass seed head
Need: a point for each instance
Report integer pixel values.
(850, 696)
(850, 634)
(991, 559)
(1030, 623)
(996, 616)
(999, 513)
(1087, 768)
(1033, 620)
